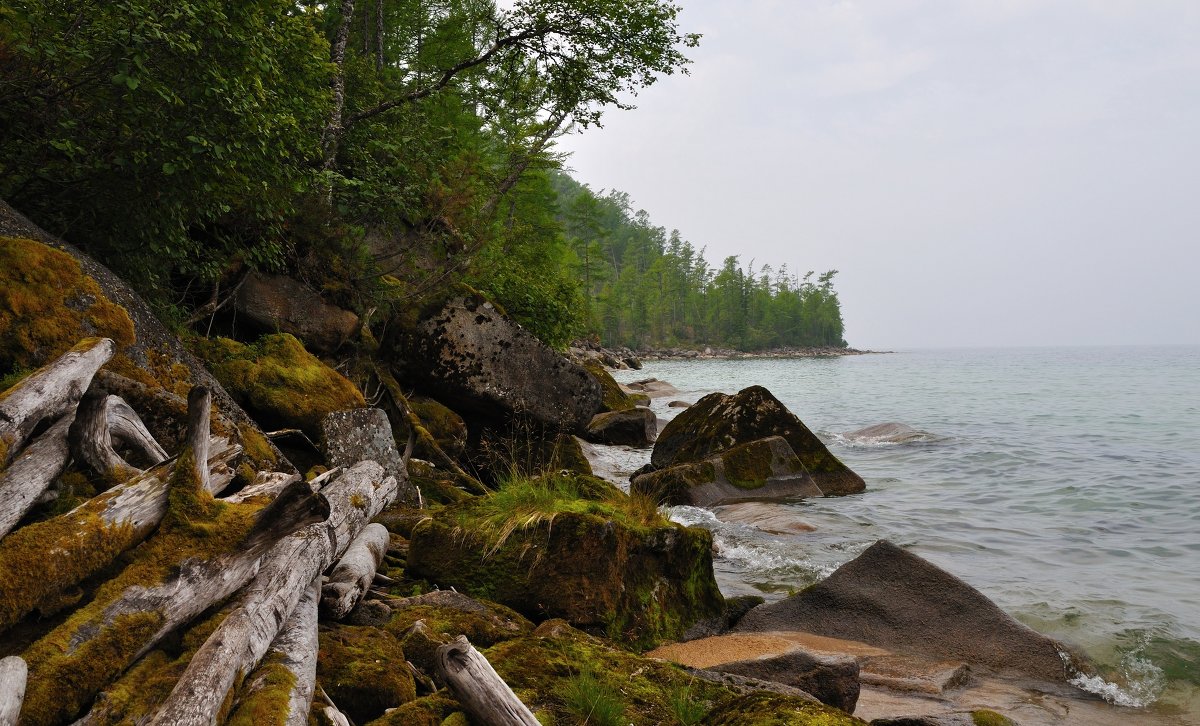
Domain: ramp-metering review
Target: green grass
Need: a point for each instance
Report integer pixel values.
(685, 707)
(593, 701)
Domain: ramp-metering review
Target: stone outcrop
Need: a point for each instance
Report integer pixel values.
(275, 303)
(834, 681)
(631, 427)
(348, 437)
(893, 599)
(473, 358)
(762, 469)
(719, 422)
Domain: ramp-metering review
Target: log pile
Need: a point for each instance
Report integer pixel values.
(157, 547)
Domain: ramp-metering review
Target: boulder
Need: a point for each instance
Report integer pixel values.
(279, 304)
(615, 397)
(631, 427)
(573, 547)
(719, 422)
(362, 670)
(349, 437)
(651, 388)
(445, 615)
(525, 450)
(891, 598)
(446, 427)
(471, 357)
(834, 681)
(763, 469)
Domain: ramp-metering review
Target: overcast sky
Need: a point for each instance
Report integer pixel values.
(982, 172)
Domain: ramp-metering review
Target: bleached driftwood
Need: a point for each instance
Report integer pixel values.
(355, 571)
(195, 584)
(49, 393)
(242, 639)
(295, 648)
(31, 473)
(101, 420)
(13, 674)
(486, 698)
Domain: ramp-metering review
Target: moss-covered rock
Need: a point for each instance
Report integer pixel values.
(279, 382)
(763, 469)
(632, 427)
(362, 670)
(447, 615)
(610, 563)
(525, 449)
(436, 486)
(762, 708)
(719, 422)
(446, 426)
(615, 399)
(432, 710)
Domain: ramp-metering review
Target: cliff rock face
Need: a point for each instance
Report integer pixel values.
(719, 422)
(471, 357)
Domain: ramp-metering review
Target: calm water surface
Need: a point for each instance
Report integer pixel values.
(1063, 483)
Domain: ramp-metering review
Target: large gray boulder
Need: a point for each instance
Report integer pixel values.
(275, 303)
(891, 598)
(474, 359)
(719, 422)
(631, 427)
(360, 434)
(762, 469)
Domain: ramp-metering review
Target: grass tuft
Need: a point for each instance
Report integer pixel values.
(593, 701)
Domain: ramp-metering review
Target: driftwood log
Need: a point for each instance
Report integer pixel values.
(49, 393)
(295, 650)
(141, 615)
(13, 674)
(242, 639)
(354, 573)
(32, 473)
(486, 698)
(102, 420)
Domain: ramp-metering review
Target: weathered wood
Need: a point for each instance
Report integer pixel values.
(49, 393)
(24, 482)
(295, 650)
(215, 561)
(100, 421)
(265, 484)
(355, 571)
(13, 674)
(486, 698)
(242, 639)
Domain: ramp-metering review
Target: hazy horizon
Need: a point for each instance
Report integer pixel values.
(1009, 173)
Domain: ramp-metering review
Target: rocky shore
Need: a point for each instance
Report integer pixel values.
(321, 521)
(623, 358)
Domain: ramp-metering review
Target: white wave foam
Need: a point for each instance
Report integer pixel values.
(1143, 682)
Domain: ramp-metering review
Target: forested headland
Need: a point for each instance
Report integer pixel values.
(379, 151)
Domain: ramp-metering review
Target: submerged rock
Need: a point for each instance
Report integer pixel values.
(631, 427)
(719, 422)
(889, 433)
(762, 469)
(275, 303)
(473, 358)
(891, 598)
(573, 547)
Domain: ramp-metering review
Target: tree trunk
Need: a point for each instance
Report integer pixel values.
(242, 639)
(486, 698)
(265, 484)
(337, 54)
(294, 650)
(125, 626)
(49, 393)
(354, 573)
(30, 475)
(13, 675)
(100, 420)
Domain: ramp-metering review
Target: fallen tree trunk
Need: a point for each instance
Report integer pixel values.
(238, 645)
(32, 472)
(204, 552)
(353, 574)
(486, 698)
(13, 675)
(49, 393)
(293, 655)
(100, 420)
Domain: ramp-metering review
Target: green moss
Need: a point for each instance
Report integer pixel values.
(747, 466)
(280, 382)
(444, 425)
(47, 304)
(762, 708)
(362, 669)
(437, 486)
(268, 704)
(432, 710)
(984, 717)
(492, 623)
(256, 447)
(615, 399)
(670, 486)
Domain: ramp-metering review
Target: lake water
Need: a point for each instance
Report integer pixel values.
(1064, 483)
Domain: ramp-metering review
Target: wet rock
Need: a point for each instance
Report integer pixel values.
(474, 359)
(889, 433)
(615, 397)
(631, 427)
(678, 404)
(979, 717)
(275, 303)
(763, 469)
(719, 422)
(652, 388)
(891, 598)
(833, 681)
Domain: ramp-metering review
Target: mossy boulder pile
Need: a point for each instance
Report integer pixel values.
(573, 547)
(718, 422)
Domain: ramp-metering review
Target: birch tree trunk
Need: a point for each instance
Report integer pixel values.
(352, 576)
(476, 685)
(242, 639)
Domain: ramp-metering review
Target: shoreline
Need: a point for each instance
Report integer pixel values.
(730, 354)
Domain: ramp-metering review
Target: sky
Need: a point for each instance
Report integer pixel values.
(980, 172)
